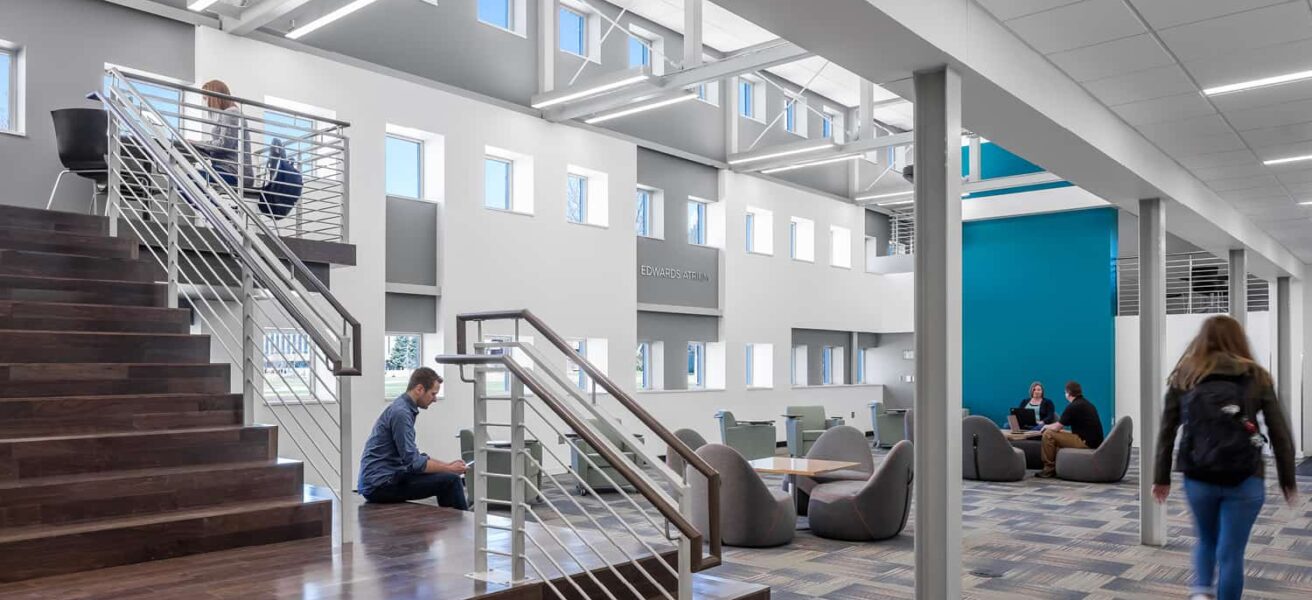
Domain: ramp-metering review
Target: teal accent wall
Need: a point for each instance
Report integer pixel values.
(996, 161)
(1038, 298)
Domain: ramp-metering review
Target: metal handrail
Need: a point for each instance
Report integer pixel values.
(196, 90)
(300, 272)
(625, 400)
(615, 461)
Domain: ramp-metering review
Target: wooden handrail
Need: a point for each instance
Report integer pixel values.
(674, 443)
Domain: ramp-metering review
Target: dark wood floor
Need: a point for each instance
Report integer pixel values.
(404, 551)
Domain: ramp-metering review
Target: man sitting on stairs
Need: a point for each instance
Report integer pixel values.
(393, 469)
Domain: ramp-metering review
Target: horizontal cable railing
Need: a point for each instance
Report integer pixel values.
(902, 230)
(266, 313)
(1196, 283)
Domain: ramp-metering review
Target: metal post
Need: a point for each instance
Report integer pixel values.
(938, 333)
(1239, 285)
(1152, 336)
(976, 161)
(113, 198)
(517, 478)
(248, 389)
(346, 495)
(173, 247)
(1284, 346)
(865, 126)
(685, 546)
(480, 475)
(346, 191)
(729, 108)
(547, 29)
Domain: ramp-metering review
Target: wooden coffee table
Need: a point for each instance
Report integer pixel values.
(791, 468)
(1013, 436)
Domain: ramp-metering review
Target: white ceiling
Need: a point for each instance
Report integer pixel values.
(1112, 48)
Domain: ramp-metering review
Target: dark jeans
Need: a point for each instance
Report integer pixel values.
(1223, 519)
(446, 487)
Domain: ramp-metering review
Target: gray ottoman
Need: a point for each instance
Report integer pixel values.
(1033, 452)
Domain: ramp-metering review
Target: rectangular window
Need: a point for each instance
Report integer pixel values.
(792, 239)
(8, 90)
(746, 98)
(404, 158)
(827, 365)
(840, 247)
(642, 370)
(576, 373)
(861, 365)
(801, 242)
(165, 100)
(751, 232)
(797, 370)
(696, 222)
(576, 198)
(639, 52)
(790, 115)
(750, 365)
(496, 12)
(498, 382)
(642, 220)
(702, 93)
(826, 127)
(294, 368)
(696, 365)
(496, 183)
(573, 31)
(401, 352)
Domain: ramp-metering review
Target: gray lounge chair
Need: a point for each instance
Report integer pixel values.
(876, 509)
(751, 513)
(498, 488)
(692, 440)
(597, 477)
(1107, 464)
(985, 453)
(844, 443)
(889, 428)
(752, 439)
(805, 424)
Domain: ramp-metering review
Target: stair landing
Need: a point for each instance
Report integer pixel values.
(403, 551)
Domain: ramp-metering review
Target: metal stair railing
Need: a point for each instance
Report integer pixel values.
(1196, 283)
(546, 404)
(262, 307)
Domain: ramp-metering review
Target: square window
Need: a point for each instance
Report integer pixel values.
(696, 365)
(573, 31)
(746, 98)
(497, 183)
(496, 12)
(827, 127)
(642, 369)
(295, 370)
(576, 199)
(404, 158)
(8, 73)
(643, 218)
(498, 382)
(696, 222)
(639, 52)
(402, 352)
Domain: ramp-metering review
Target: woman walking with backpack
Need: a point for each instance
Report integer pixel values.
(1216, 392)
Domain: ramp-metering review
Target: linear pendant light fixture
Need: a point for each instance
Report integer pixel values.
(592, 91)
(781, 153)
(633, 110)
(1290, 159)
(814, 163)
(328, 18)
(200, 5)
(1258, 83)
(883, 196)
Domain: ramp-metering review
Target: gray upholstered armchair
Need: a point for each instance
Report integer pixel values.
(843, 443)
(1107, 464)
(986, 455)
(752, 439)
(805, 424)
(876, 509)
(596, 477)
(498, 488)
(751, 513)
(888, 425)
(692, 440)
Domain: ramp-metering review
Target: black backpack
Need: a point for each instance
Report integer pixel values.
(1221, 443)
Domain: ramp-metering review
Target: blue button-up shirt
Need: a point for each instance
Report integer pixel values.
(391, 450)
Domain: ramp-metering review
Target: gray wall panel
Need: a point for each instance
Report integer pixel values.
(675, 331)
(66, 44)
(411, 241)
(678, 179)
(889, 366)
(815, 340)
(878, 225)
(409, 313)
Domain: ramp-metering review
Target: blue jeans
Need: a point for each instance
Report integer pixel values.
(1223, 519)
(446, 487)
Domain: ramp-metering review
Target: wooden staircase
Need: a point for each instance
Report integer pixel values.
(119, 440)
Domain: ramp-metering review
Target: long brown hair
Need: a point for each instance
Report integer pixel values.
(1220, 335)
(218, 87)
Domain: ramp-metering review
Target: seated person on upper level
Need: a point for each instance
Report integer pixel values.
(1045, 411)
(228, 143)
(1086, 429)
(392, 468)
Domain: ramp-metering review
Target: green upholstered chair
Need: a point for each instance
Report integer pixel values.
(596, 476)
(499, 462)
(888, 424)
(805, 424)
(752, 439)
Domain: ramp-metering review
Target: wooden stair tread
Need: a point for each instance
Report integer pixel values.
(19, 534)
(78, 280)
(114, 396)
(133, 473)
(142, 334)
(117, 434)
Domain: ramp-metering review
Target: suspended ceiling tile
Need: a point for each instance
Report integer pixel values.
(1161, 14)
(1289, 174)
(1169, 108)
(1266, 96)
(1257, 63)
(1238, 32)
(1152, 83)
(1239, 183)
(1182, 147)
(1271, 116)
(1300, 190)
(1277, 136)
(1217, 159)
(1285, 151)
(1257, 193)
(1010, 9)
(1186, 129)
(1230, 171)
(1112, 58)
(1076, 25)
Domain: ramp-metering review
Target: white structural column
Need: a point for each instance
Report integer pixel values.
(729, 104)
(1152, 337)
(938, 334)
(1284, 346)
(692, 33)
(1239, 285)
(865, 112)
(547, 28)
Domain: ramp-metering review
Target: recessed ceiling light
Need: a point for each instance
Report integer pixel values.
(1258, 83)
(882, 196)
(200, 5)
(328, 18)
(1290, 159)
(1305, 203)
